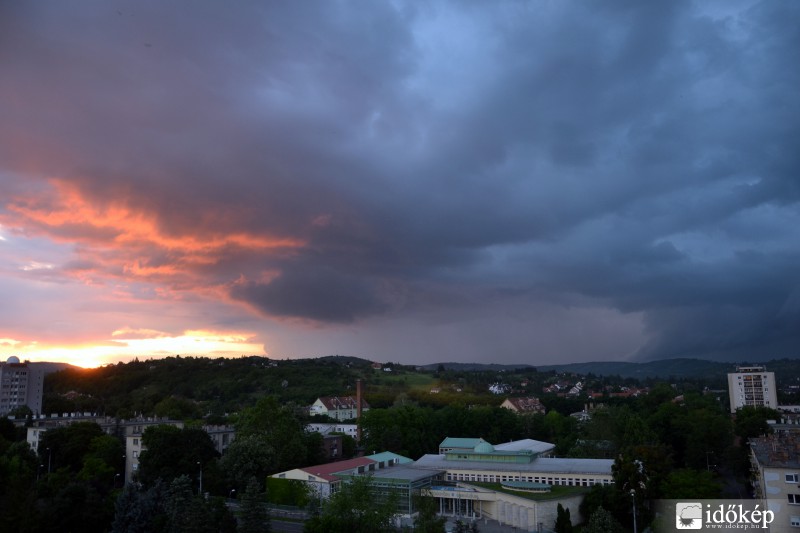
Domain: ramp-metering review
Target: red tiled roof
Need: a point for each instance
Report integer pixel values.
(334, 403)
(328, 470)
(526, 404)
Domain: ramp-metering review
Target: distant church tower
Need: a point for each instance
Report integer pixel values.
(20, 384)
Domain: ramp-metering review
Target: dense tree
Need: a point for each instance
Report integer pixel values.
(356, 507)
(172, 452)
(315, 451)
(708, 433)
(598, 496)
(76, 468)
(185, 510)
(18, 471)
(380, 431)
(140, 510)
(563, 522)
(253, 515)
(248, 456)
(76, 506)
(279, 428)
(631, 482)
(752, 422)
(176, 408)
(173, 508)
(8, 433)
(690, 484)
(601, 521)
(65, 447)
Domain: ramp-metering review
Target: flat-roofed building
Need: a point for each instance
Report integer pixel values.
(492, 481)
(330, 428)
(775, 463)
(752, 386)
(324, 479)
(21, 384)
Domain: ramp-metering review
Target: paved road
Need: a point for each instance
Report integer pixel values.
(286, 527)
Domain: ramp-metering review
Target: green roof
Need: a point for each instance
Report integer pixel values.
(386, 456)
(525, 485)
(458, 442)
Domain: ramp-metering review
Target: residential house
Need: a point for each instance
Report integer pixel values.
(338, 407)
(529, 405)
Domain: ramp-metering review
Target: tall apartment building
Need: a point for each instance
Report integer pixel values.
(775, 467)
(20, 384)
(752, 386)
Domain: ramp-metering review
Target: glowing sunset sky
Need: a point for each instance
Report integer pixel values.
(518, 182)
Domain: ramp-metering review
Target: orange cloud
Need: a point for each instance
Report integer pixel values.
(118, 240)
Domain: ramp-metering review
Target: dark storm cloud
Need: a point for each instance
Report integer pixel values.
(641, 157)
(320, 294)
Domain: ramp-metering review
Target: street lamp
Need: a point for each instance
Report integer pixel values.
(115, 479)
(201, 478)
(633, 497)
(49, 456)
(230, 496)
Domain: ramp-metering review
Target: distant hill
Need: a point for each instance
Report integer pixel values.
(785, 369)
(665, 368)
(473, 367)
(54, 367)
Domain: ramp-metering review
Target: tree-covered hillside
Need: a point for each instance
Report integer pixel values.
(197, 387)
(191, 386)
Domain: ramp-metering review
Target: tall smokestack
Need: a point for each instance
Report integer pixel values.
(358, 410)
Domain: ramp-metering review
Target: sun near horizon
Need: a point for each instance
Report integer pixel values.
(120, 349)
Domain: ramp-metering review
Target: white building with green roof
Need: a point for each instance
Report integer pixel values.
(515, 483)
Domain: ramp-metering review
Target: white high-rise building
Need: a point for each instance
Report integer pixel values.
(20, 384)
(752, 386)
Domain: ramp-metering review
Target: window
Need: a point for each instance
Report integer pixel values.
(794, 499)
(794, 521)
(135, 455)
(135, 442)
(791, 478)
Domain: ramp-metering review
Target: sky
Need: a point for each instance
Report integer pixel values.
(535, 182)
